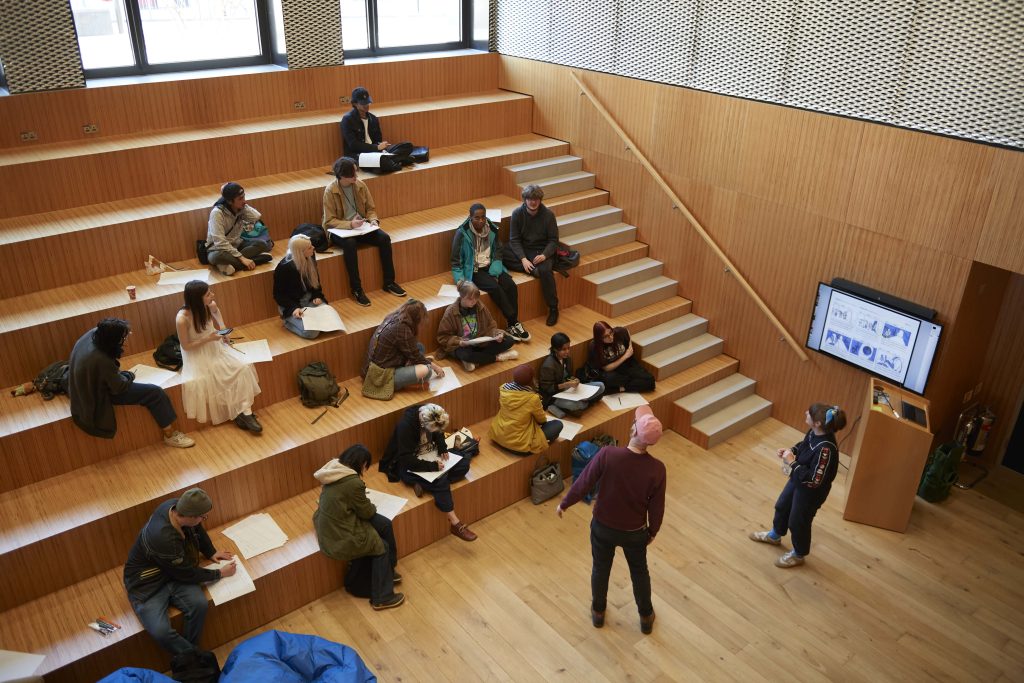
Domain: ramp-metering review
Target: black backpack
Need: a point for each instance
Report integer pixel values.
(317, 386)
(316, 234)
(168, 354)
(52, 380)
(195, 665)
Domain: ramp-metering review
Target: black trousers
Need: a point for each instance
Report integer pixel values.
(377, 238)
(544, 272)
(795, 510)
(504, 292)
(603, 541)
(373, 576)
(630, 376)
(483, 353)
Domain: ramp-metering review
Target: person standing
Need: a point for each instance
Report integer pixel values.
(628, 513)
(162, 570)
(533, 241)
(810, 467)
(226, 246)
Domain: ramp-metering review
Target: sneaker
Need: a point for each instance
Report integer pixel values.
(394, 601)
(226, 270)
(790, 559)
(248, 423)
(393, 288)
(179, 440)
(517, 332)
(511, 354)
(417, 488)
(597, 618)
(360, 297)
(647, 624)
(463, 532)
(397, 578)
(764, 537)
(467, 366)
(552, 317)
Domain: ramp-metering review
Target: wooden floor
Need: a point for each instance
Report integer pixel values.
(943, 601)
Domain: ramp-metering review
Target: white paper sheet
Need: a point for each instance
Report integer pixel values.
(479, 340)
(363, 229)
(624, 401)
(448, 292)
(386, 504)
(447, 383)
(581, 393)
(257, 351)
(15, 665)
(494, 215)
(431, 476)
(371, 159)
(323, 318)
(147, 374)
(569, 429)
(230, 587)
(256, 534)
(180, 277)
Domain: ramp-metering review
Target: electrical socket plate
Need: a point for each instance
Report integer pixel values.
(90, 128)
(300, 105)
(28, 136)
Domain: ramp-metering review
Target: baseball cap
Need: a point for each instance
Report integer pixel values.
(361, 96)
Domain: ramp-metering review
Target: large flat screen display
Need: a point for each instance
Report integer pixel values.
(886, 342)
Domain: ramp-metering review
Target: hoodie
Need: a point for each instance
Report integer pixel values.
(341, 520)
(517, 424)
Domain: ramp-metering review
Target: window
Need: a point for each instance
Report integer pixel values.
(381, 27)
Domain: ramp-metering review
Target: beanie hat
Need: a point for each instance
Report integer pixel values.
(194, 503)
(523, 375)
(648, 427)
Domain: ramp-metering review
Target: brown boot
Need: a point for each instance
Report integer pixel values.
(463, 532)
(647, 623)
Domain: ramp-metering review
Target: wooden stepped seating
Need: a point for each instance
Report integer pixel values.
(296, 573)
(717, 412)
(24, 421)
(243, 473)
(168, 158)
(109, 238)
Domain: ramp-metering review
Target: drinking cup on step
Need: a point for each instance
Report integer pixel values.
(131, 292)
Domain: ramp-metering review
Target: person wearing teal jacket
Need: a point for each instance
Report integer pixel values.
(476, 256)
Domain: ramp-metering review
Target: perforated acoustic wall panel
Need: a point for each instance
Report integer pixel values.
(954, 67)
(312, 33)
(39, 46)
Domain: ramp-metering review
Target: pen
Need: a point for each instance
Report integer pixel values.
(317, 418)
(110, 621)
(619, 400)
(99, 629)
(237, 349)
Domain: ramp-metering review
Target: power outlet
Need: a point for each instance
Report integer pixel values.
(90, 128)
(28, 136)
(300, 105)
(344, 100)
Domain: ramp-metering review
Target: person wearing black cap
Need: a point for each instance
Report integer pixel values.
(360, 128)
(162, 570)
(226, 247)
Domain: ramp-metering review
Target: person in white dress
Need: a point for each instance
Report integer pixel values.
(217, 384)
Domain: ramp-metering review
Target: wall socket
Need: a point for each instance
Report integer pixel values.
(344, 100)
(299, 105)
(28, 136)
(90, 128)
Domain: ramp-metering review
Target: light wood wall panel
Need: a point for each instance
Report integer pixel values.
(1002, 238)
(1002, 377)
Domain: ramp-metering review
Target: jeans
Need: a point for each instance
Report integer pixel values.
(795, 510)
(152, 397)
(603, 541)
(189, 598)
(441, 487)
(483, 354)
(570, 406)
(504, 292)
(248, 249)
(377, 238)
(295, 325)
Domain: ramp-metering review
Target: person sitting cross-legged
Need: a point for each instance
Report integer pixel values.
(556, 376)
(521, 425)
(468, 319)
(226, 245)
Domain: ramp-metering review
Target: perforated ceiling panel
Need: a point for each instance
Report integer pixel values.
(954, 67)
(312, 32)
(40, 47)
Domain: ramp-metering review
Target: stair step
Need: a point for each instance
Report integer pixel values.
(733, 419)
(643, 293)
(601, 238)
(669, 334)
(631, 273)
(545, 168)
(555, 186)
(683, 355)
(701, 404)
(581, 221)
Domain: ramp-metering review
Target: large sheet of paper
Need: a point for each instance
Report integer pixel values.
(624, 401)
(476, 341)
(569, 429)
(386, 504)
(180, 277)
(230, 587)
(257, 351)
(494, 215)
(440, 385)
(14, 665)
(323, 318)
(147, 374)
(256, 534)
(371, 159)
(433, 457)
(363, 229)
(448, 292)
(581, 393)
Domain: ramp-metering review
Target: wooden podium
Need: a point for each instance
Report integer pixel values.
(889, 455)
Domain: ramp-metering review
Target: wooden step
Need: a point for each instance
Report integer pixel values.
(631, 273)
(669, 334)
(683, 355)
(731, 420)
(582, 221)
(565, 183)
(643, 293)
(521, 174)
(703, 403)
(589, 241)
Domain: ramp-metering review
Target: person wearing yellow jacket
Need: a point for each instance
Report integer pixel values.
(520, 425)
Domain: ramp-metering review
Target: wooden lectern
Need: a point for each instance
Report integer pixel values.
(889, 455)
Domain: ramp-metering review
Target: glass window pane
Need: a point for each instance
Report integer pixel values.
(481, 20)
(199, 30)
(103, 35)
(353, 25)
(418, 22)
(277, 18)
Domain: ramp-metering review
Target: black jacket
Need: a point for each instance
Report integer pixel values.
(93, 377)
(288, 286)
(400, 453)
(817, 461)
(553, 372)
(355, 137)
(532, 235)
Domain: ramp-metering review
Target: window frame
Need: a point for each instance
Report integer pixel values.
(375, 50)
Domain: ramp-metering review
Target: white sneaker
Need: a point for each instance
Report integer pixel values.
(179, 440)
(511, 354)
(790, 559)
(226, 269)
(467, 366)
(764, 537)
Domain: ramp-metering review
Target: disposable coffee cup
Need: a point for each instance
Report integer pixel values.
(131, 292)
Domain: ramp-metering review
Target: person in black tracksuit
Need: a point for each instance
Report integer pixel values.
(811, 466)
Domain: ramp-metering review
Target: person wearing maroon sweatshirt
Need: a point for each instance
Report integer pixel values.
(628, 513)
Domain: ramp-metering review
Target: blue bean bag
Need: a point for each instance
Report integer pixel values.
(294, 658)
(130, 674)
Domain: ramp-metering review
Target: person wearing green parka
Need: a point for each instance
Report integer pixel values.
(349, 528)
